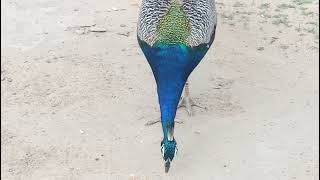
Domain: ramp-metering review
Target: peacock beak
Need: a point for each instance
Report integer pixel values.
(167, 165)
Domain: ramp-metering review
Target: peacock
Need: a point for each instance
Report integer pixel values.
(174, 36)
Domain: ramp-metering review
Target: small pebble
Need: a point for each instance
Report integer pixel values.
(284, 46)
(197, 132)
(127, 34)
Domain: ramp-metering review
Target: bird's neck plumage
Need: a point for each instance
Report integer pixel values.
(171, 65)
(170, 73)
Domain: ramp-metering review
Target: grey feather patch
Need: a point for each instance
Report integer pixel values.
(202, 17)
(151, 13)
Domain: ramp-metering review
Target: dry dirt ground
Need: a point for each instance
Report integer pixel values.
(77, 91)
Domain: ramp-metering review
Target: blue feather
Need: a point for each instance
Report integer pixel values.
(171, 65)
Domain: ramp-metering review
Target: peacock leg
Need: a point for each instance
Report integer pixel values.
(187, 102)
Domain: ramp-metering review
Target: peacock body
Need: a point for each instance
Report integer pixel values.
(174, 36)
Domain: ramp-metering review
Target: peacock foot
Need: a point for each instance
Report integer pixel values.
(158, 120)
(153, 122)
(188, 103)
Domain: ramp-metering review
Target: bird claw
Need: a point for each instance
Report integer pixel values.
(188, 103)
(179, 121)
(167, 166)
(153, 122)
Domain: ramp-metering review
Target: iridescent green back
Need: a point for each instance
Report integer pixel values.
(174, 27)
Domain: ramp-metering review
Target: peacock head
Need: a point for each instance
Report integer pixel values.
(169, 150)
(168, 146)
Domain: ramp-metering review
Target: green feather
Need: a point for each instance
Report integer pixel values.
(174, 27)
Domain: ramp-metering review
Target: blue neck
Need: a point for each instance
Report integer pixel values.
(168, 63)
(171, 65)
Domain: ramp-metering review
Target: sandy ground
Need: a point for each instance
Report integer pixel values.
(74, 101)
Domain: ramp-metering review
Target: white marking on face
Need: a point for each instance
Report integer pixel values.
(162, 150)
